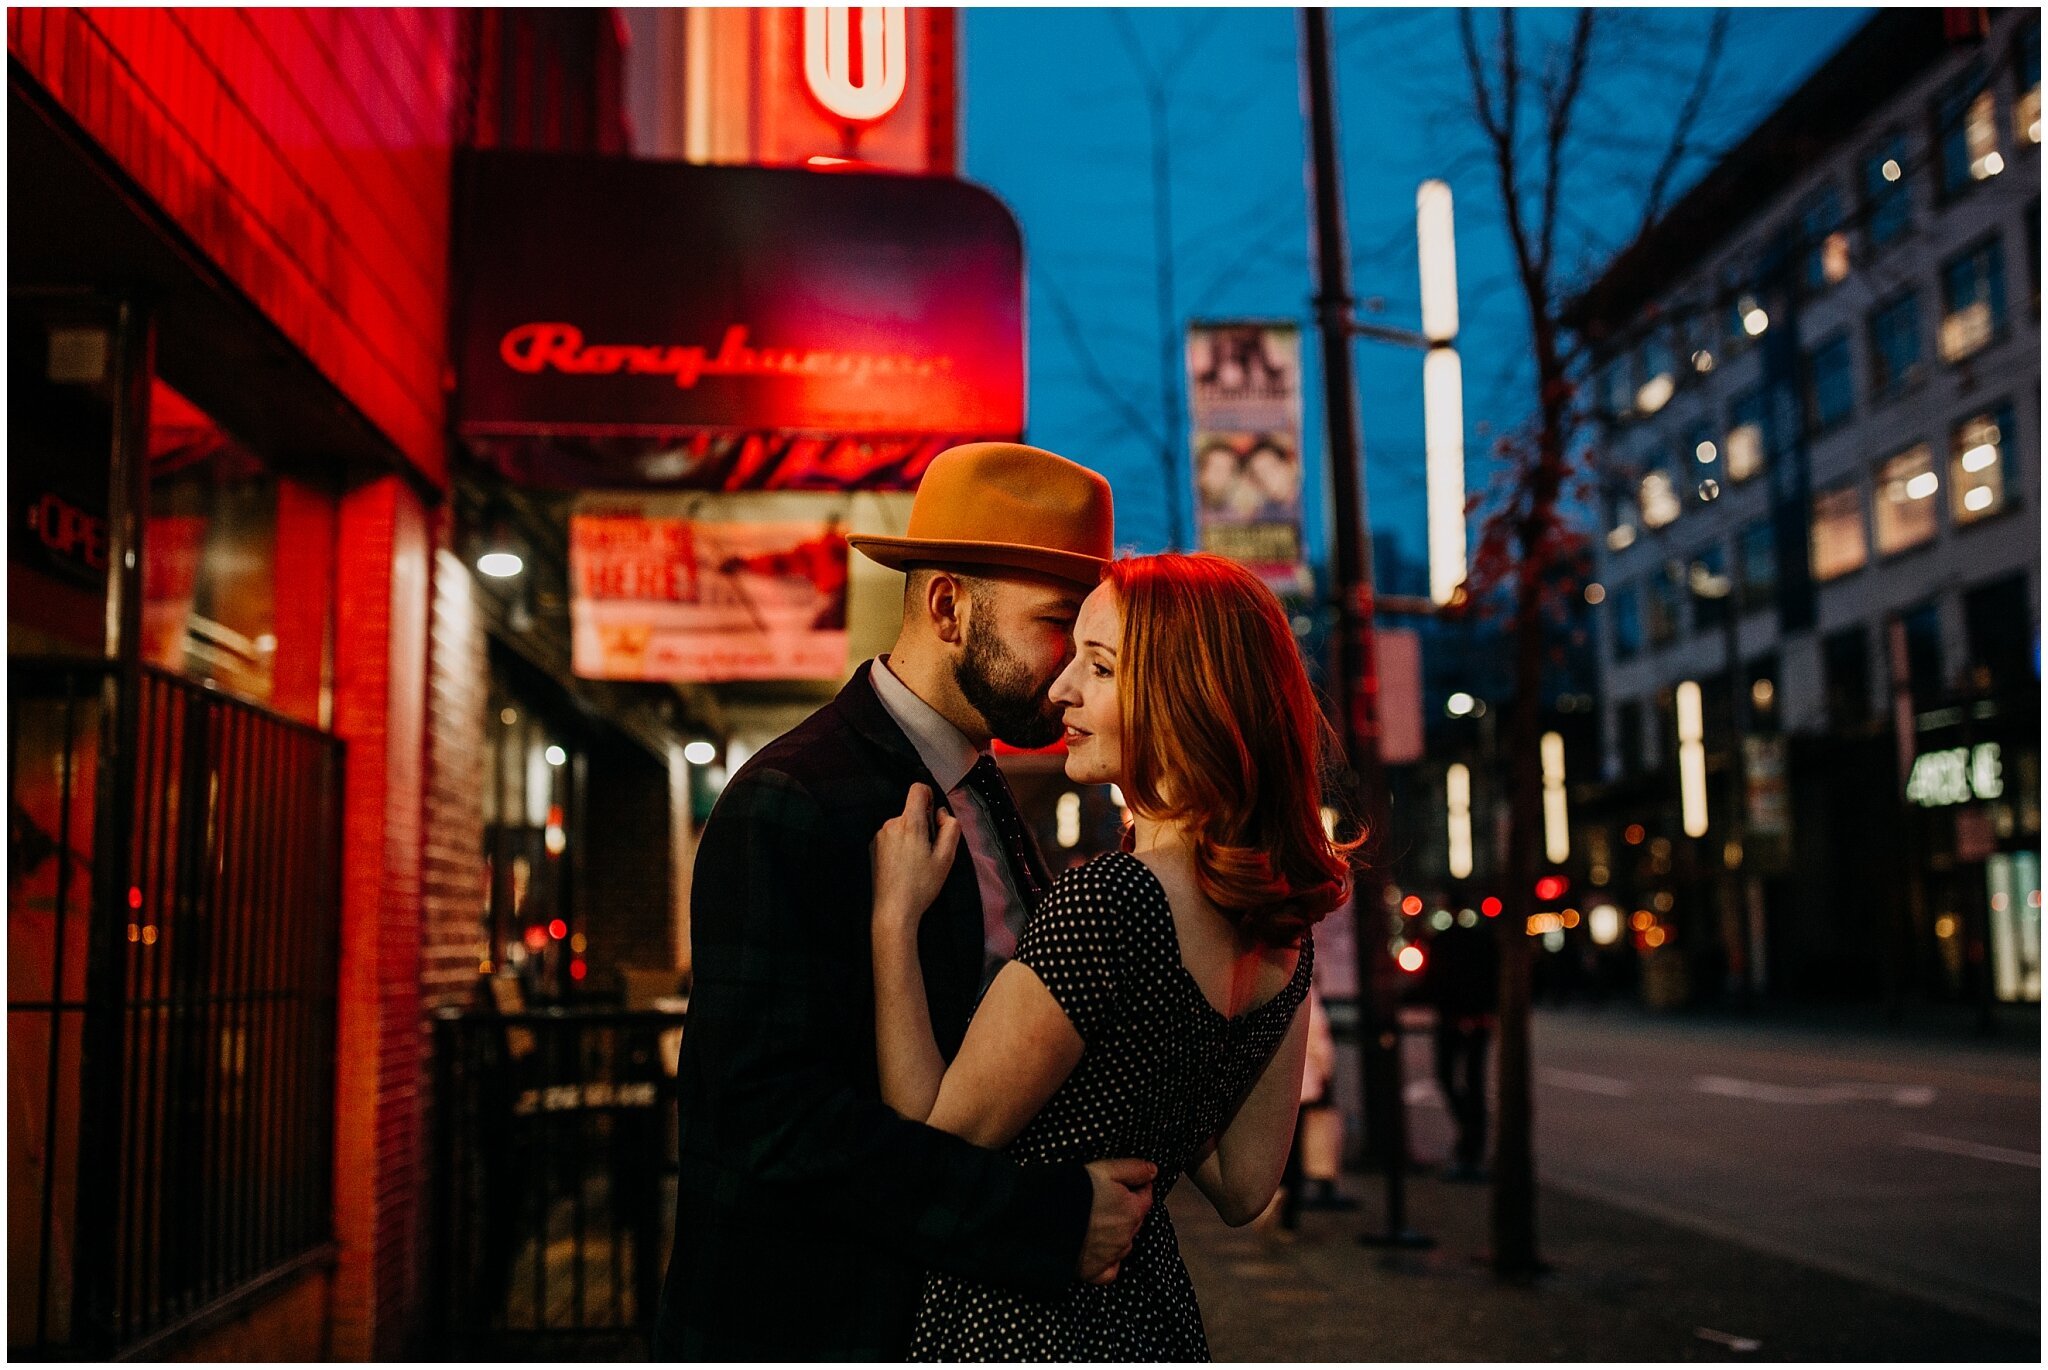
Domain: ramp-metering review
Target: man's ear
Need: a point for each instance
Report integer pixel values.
(946, 607)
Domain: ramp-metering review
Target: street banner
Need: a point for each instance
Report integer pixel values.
(1398, 654)
(697, 588)
(1244, 410)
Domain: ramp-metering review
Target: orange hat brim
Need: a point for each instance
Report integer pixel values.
(901, 553)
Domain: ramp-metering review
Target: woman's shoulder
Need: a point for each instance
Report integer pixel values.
(1112, 878)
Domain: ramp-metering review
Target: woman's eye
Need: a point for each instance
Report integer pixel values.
(1099, 669)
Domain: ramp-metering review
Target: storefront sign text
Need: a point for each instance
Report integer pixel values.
(1956, 776)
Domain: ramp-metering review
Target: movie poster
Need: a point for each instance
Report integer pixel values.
(1244, 393)
(678, 588)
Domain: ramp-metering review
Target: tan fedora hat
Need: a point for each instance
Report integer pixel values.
(1006, 505)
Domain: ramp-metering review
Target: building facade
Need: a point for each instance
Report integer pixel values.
(1817, 382)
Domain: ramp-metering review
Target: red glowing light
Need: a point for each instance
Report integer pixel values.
(536, 937)
(577, 969)
(1490, 906)
(1551, 887)
(135, 896)
(1410, 959)
(557, 929)
(1412, 905)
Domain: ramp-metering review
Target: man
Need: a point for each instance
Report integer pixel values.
(1462, 979)
(807, 1212)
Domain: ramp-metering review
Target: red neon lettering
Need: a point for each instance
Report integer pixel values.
(536, 347)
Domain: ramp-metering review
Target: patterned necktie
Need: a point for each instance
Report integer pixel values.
(986, 780)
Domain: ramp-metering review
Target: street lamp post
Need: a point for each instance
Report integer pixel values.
(1357, 672)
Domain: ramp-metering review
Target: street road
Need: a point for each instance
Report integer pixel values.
(1913, 1165)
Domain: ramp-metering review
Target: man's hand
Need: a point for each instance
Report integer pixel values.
(1123, 1195)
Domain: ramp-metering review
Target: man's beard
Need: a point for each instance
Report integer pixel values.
(1000, 687)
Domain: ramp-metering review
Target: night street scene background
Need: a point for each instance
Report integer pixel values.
(433, 438)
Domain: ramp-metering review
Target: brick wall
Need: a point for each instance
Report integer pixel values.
(380, 691)
(306, 152)
(630, 908)
(452, 868)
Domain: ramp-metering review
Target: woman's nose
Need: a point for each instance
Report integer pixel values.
(1062, 691)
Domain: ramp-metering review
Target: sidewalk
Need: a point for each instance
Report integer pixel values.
(1621, 1288)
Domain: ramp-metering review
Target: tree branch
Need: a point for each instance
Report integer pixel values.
(1091, 369)
(1681, 132)
(1557, 131)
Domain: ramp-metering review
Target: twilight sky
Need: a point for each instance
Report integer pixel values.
(1056, 123)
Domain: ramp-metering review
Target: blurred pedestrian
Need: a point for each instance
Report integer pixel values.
(1312, 1167)
(1462, 980)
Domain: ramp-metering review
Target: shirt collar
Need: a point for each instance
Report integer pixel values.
(943, 748)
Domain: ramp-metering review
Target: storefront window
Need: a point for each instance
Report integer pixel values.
(1757, 568)
(1887, 204)
(1980, 463)
(1895, 345)
(60, 434)
(2013, 882)
(1839, 544)
(1906, 507)
(1973, 301)
(1744, 450)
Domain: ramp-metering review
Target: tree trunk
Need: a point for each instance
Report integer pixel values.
(1515, 1254)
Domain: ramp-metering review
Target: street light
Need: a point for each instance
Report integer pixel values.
(1557, 841)
(1443, 390)
(1458, 803)
(1692, 760)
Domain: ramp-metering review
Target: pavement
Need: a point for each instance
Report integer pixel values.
(1621, 1287)
(1811, 1187)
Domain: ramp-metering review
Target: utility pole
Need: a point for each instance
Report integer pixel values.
(1357, 670)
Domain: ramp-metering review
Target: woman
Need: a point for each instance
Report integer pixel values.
(1150, 1010)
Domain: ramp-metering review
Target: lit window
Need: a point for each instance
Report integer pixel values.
(1980, 461)
(1711, 588)
(1653, 368)
(1830, 390)
(1658, 498)
(1966, 132)
(1839, 544)
(1906, 486)
(1973, 301)
(1621, 522)
(1743, 452)
(1886, 202)
(1825, 248)
(2026, 109)
(1895, 345)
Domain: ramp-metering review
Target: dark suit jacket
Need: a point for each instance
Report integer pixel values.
(806, 1210)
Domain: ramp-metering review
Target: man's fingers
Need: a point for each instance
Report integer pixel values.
(918, 802)
(949, 837)
(1130, 1173)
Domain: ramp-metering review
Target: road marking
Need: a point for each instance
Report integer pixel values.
(1899, 1096)
(1587, 1084)
(1979, 1151)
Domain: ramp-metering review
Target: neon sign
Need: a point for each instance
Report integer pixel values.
(867, 95)
(536, 347)
(1956, 776)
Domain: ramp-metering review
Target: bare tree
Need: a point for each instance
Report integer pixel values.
(1529, 107)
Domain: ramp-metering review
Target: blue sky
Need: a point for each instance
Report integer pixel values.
(1056, 123)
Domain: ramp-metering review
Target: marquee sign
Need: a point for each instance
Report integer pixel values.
(1956, 776)
(607, 297)
(859, 87)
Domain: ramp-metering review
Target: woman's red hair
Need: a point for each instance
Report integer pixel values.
(1222, 732)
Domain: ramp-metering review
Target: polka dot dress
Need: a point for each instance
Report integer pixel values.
(1161, 1073)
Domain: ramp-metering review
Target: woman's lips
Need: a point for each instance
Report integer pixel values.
(1076, 736)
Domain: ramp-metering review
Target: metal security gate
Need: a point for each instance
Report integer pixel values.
(171, 1003)
(554, 1180)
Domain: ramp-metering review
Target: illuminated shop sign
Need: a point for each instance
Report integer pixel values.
(863, 85)
(1956, 776)
(614, 298)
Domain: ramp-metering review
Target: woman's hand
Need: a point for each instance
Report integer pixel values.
(909, 866)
